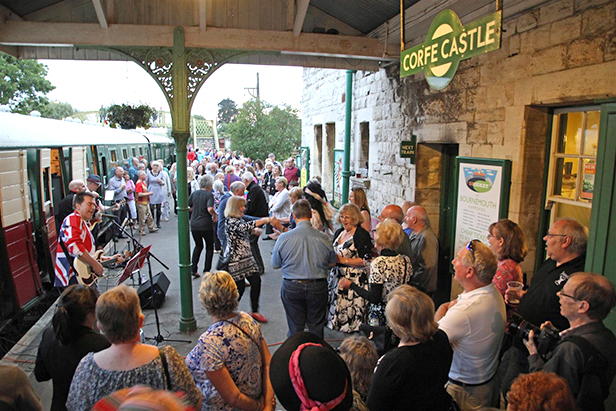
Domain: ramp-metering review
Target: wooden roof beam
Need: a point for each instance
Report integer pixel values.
(302, 9)
(123, 35)
(202, 15)
(100, 14)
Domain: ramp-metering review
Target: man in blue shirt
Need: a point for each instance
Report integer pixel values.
(305, 256)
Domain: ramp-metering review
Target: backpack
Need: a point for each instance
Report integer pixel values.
(594, 384)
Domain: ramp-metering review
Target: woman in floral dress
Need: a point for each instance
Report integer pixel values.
(230, 363)
(352, 243)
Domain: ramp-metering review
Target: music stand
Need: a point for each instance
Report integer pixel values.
(146, 251)
(134, 264)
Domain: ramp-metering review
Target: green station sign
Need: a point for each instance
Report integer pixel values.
(408, 148)
(447, 43)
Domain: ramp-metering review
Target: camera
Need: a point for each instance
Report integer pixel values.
(545, 339)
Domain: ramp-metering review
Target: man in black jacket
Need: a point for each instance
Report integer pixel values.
(65, 206)
(585, 300)
(565, 242)
(256, 206)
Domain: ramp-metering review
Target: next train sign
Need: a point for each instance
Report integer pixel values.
(447, 43)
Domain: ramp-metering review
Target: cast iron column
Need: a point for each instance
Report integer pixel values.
(180, 115)
(346, 161)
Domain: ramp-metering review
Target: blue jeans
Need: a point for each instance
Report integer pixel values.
(305, 305)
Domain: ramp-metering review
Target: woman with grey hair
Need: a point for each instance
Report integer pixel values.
(230, 363)
(156, 185)
(202, 218)
(128, 362)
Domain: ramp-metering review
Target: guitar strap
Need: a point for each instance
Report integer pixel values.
(68, 255)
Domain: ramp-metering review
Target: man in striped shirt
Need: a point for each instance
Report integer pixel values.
(77, 240)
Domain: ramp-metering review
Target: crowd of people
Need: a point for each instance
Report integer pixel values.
(499, 344)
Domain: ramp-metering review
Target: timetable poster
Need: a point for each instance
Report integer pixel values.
(480, 193)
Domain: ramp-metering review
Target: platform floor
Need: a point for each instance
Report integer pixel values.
(164, 246)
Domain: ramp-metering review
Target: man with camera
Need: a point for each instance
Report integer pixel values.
(585, 300)
(565, 244)
(475, 326)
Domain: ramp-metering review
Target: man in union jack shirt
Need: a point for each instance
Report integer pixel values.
(78, 241)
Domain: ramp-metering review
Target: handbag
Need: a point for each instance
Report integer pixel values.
(223, 263)
(380, 335)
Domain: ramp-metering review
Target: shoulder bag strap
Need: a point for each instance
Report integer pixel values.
(594, 362)
(245, 333)
(165, 368)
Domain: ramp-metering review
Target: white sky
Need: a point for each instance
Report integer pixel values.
(88, 85)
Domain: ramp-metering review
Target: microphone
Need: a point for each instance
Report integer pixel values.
(109, 216)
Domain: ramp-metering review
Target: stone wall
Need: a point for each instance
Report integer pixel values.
(562, 53)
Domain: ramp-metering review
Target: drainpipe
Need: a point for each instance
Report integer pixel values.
(346, 161)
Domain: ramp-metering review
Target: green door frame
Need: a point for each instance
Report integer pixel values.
(602, 219)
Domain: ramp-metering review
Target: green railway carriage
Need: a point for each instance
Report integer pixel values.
(38, 159)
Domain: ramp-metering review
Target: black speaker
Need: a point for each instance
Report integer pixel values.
(161, 285)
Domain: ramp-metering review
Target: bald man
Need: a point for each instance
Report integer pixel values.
(65, 206)
(395, 213)
(424, 250)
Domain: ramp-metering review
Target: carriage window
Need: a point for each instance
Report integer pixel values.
(141, 150)
(114, 156)
(134, 152)
(125, 153)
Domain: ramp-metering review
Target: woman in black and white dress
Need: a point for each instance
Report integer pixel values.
(352, 243)
(387, 271)
(241, 262)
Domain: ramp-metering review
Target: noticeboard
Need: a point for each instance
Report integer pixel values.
(482, 197)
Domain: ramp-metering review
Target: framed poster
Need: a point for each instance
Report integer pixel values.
(304, 165)
(482, 197)
(337, 191)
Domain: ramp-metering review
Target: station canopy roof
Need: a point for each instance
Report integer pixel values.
(343, 34)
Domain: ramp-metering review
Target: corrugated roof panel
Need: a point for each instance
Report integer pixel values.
(25, 7)
(363, 15)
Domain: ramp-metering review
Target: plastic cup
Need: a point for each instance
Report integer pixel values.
(515, 286)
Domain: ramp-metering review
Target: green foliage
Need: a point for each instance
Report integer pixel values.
(227, 111)
(56, 110)
(260, 129)
(129, 117)
(23, 84)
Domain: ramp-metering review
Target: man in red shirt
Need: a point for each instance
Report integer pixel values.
(142, 199)
(291, 173)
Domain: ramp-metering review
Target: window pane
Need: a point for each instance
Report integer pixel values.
(581, 214)
(591, 133)
(570, 133)
(566, 177)
(588, 179)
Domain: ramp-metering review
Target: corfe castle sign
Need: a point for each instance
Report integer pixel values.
(447, 43)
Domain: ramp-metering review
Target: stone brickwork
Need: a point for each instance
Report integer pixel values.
(562, 53)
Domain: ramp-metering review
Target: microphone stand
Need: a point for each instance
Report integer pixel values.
(138, 246)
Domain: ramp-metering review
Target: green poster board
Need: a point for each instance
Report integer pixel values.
(482, 197)
(337, 191)
(303, 163)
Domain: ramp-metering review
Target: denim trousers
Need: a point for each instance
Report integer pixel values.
(305, 304)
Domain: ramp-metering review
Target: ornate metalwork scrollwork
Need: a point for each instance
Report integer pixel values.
(158, 62)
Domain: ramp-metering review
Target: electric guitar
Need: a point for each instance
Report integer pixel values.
(86, 276)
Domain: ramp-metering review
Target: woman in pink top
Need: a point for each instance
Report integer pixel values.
(130, 196)
(507, 242)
